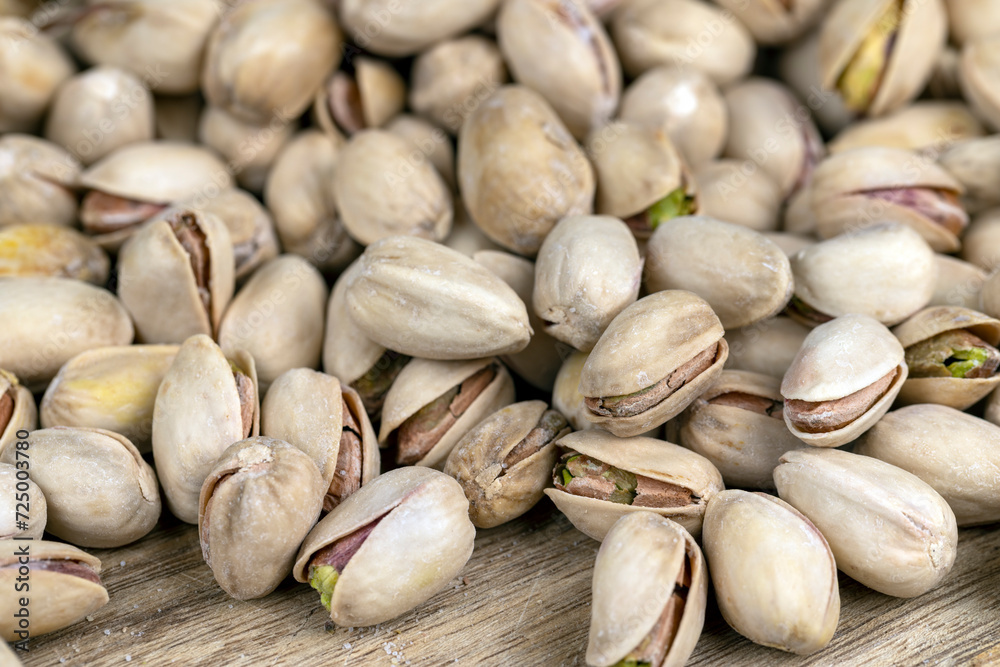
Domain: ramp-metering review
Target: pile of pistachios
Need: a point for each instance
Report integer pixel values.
(341, 281)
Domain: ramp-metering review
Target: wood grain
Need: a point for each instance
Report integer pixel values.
(523, 599)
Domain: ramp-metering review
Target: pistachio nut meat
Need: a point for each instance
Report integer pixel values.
(15, 489)
(176, 276)
(975, 163)
(17, 409)
(957, 454)
(51, 250)
(926, 126)
(978, 77)
(111, 388)
(767, 347)
(37, 179)
(727, 192)
(32, 66)
(249, 148)
(738, 425)
(652, 361)
(959, 283)
(257, 504)
(780, 590)
(566, 396)
(423, 299)
(879, 55)
(600, 477)
(433, 404)
(371, 96)
(326, 420)
(742, 275)
(506, 461)
(65, 588)
(389, 547)
(866, 186)
(205, 403)
(776, 22)
(843, 379)
(887, 529)
(952, 356)
(650, 588)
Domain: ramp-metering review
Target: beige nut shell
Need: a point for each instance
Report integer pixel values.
(978, 77)
(413, 27)
(38, 509)
(25, 414)
(347, 352)
(766, 347)
(51, 250)
(36, 178)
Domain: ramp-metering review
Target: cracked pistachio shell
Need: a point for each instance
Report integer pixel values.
(87, 104)
(957, 454)
(48, 321)
(767, 347)
(277, 317)
(975, 163)
(17, 409)
(836, 360)
(538, 363)
(36, 181)
(32, 66)
(497, 492)
(37, 509)
(644, 345)
(162, 42)
(588, 270)
(369, 98)
(887, 529)
(727, 192)
(978, 77)
(451, 78)
(780, 591)
(927, 125)
(566, 396)
(423, 299)
(258, 503)
(423, 539)
(177, 118)
(959, 283)
(433, 145)
(249, 148)
(110, 388)
(422, 381)
(640, 455)
(57, 598)
(348, 353)
(299, 196)
(907, 60)
(99, 491)
(981, 244)
(520, 170)
(885, 271)
(306, 408)
(397, 29)
(635, 577)
(51, 250)
(381, 191)
(159, 287)
(742, 275)
(743, 444)
(971, 19)
(958, 393)
(775, 22)
(841, 201)
(196, 416)
(767, 125)
(266, 59)
(560, 49)
(649, 33)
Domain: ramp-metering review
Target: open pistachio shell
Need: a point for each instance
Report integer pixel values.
(51, 250)
(774, 22)
(648, 573)
(257, 504)
(32, 66)
(959, 283)
(799, 67)
(689, 481)
(843, 379)
(780, 591)
(65, 588)
(433, 404)
(925, 125)
(368, 99)
(975, 163)
(767, 347)
(566, 396)
(728, 190)
(36, 181)
(505, 462)
(653, 360)
(978, 77)
(737, 425)
(414, 523)
(249, 148)
(110, 388)
(887, 529)
(35, 508)
(205, 403)
(17, 409)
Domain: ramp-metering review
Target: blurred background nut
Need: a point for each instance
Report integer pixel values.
(799, 67)
(177, 118)
(432, 142)
(982, 240)
(17, 409)
(975, 163)
(368, 98)
(766, 347)
(32, 66)
(925, 126)
(777, 21)
(248, 148)
(729, 190)
(969, 19)
(36, 181)
(51, 250)
(978, 75)
(959, 283)
(12, 487)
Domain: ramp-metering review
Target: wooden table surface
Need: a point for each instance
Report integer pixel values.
(523, 599)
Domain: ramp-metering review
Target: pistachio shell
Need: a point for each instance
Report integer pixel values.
(566, 396)
(23, 413)
(35, 181)
(35, 508)
(924, 125)
(978, 77)
(887, 529)
(990, 295)
(249, 148)
(982, 240)
(975, 163)
(32, 66)
(959, 283)
(767, 347)
(781, 591)
(732, 191)
(791, 244)
(368, 99)
(431, 141)
(776, 21)
(657, 459)
(799, 66)
(51, 250)
(423, 538)
(970, 19)
(110, 388)
(258, 503)
(636, 575)
(347, 352)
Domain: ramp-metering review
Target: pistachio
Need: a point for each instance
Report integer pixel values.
(959, 282)
(978, 77)
(975, 163)
(727, 192)
(430, 141)
(17, 409)
(389, 547)
(32, 66)
(649, 594)
(790, 243)
(926, 125)
(887, 529)
(257, 504)
(368, 99)
(990, 295)
(36, 178)
(971, 19)
(780, 591)
(799, 66)
(601, 478)
(37, 511)
(767, 347)
(774, 22)
(566, 396)
(51, 250)
(504, 463)
(248, 148)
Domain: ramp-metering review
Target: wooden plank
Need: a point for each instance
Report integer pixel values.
(523, 599)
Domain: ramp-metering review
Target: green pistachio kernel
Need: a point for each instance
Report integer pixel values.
(962, 361)
(674, 205)
(324, 579)
(860, 80)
